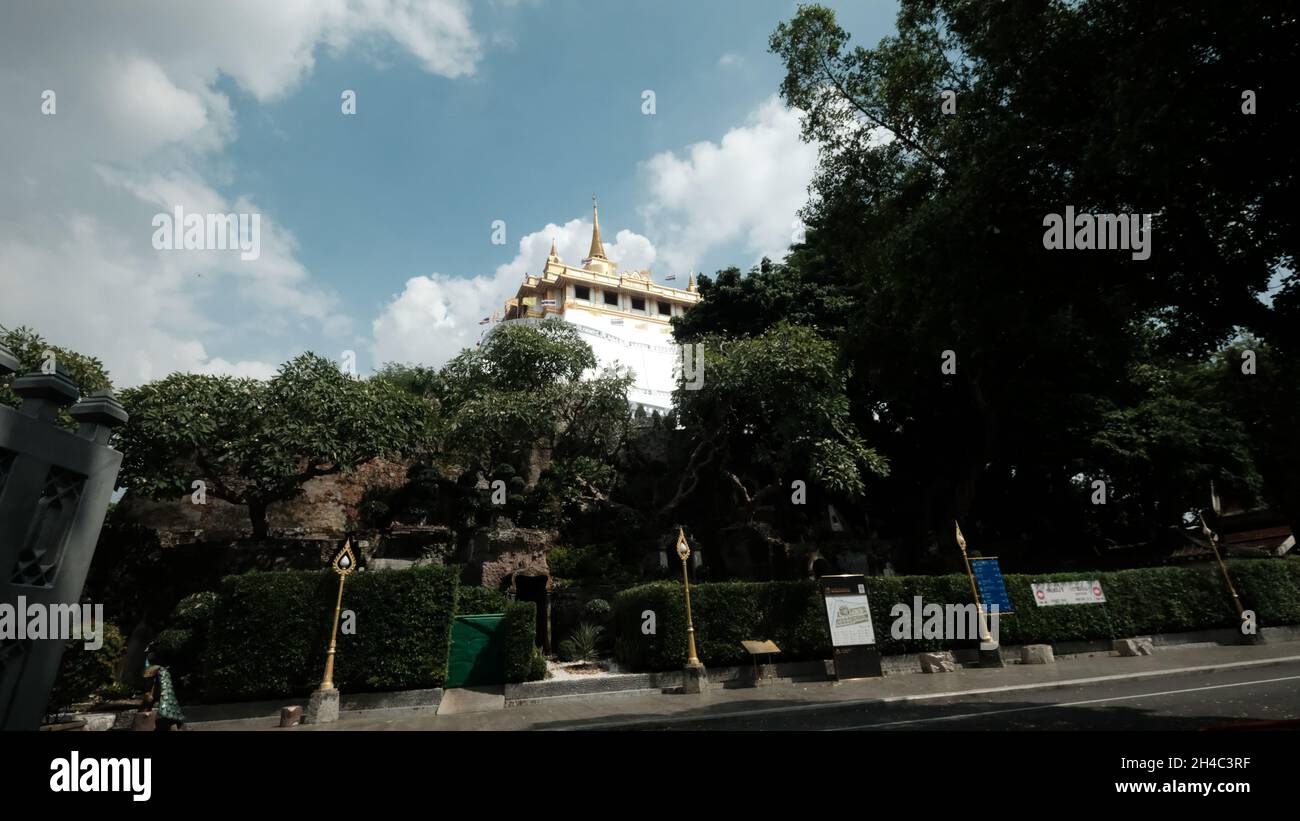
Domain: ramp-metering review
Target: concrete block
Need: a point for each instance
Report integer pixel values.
(941, 662)
(695, 679)
(322, 707)
(1134, 647)
(1037, 654)
(144, 721)
(99, 722)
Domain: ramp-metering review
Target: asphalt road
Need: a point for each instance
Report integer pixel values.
(1187, 701)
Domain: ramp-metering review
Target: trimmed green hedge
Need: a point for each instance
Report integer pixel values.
(270, 631)
(1139, 602)
(473, 601)
(524, 661)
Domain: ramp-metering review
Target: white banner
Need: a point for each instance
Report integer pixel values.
(850, 619)
(1052, 593)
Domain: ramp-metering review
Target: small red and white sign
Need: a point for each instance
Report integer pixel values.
(1047, 594)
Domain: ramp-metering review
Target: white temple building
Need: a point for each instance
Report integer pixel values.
(623, 315)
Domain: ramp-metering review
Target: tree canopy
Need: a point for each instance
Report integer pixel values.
(935, 219)
(256, 442)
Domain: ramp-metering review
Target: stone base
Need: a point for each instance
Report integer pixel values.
(145, 721)
(1252, 638)
(938, 662)
(1134, 647)
(322, 707)
(695, 679)
(991, 658)
(1037, 654)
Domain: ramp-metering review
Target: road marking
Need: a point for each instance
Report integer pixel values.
(1043, 685)
(1064, 704)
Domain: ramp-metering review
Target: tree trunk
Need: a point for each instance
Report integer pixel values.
(257, 516)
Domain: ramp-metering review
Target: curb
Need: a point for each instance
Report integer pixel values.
(1046, 685)
(536, 692)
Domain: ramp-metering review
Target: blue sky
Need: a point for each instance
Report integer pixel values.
(466, 114)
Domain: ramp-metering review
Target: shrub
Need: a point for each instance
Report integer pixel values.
(83, 673)
(582, 645)
(597, 608)
(270, 632)
(1138, 602)
(473, 601)
(521, 652)
(537, 667)
(180, 644)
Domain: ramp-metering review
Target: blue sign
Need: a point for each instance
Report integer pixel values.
(988, 579)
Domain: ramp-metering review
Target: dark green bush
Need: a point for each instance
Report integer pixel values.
(180, 644)
(1138, 602)
(270, 632)
(83, 674)
(473, 601)
(537, 666)
(522, 655)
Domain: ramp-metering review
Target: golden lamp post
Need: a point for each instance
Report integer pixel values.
(344, 563)
(1214, 544)
(684, 552)
(974, 589)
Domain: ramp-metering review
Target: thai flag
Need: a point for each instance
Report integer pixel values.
(485, 320)
(671, 277)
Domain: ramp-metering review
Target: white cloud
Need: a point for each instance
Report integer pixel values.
(139, 114)
(436, 316)
(745, 188)
(731, 60)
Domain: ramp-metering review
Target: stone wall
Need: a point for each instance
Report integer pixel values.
(325, 510)
(498, 552)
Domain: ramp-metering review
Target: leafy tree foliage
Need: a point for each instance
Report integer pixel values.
(30, 348)
(773, 408)
(1063, 359)
(524, 388)
(255, 442)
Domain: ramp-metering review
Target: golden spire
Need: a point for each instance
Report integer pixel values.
(690, 282)
(597, 249)
(553, 254)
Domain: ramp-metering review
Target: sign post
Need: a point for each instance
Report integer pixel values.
(323, 706)
(848, 615)
(1232, 589)
(991, 657)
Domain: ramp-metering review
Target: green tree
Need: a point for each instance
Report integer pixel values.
(772, 408)
(254, 442)
(523, 388)
(31, 349)
(939, 219)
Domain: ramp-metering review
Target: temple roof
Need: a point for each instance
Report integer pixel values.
(597, 248)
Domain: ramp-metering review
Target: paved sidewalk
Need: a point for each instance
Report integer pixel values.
(614, 710)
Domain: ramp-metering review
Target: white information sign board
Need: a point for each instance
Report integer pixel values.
(850, 618)
(1047, 594)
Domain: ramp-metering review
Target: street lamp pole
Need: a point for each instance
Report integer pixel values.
(323, 706)
(684, 552)
(344, 563)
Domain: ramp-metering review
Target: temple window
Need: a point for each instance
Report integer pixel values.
(582, 292)
(665, 309)
(638, 304)
(611, 298)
